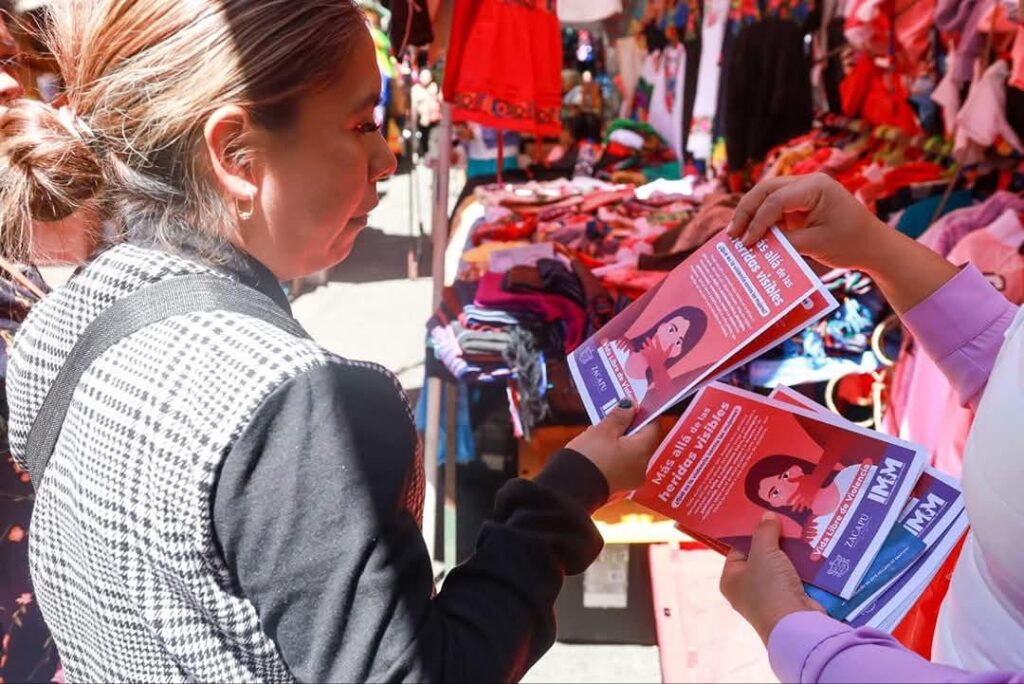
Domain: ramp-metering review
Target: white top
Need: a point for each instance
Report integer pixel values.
(586, 11)
(843, 480)
(981, 624)
(666, 71)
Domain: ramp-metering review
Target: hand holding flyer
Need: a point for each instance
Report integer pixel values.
(931, 525)
(837, 489)
(717, 310)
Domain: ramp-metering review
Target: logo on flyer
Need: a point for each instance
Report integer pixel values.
(586, 354)
(838, 566)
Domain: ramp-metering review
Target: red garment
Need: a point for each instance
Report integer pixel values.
(909, 174)
(870, 25)
(506, 231)
(877, 96)
(812, 163)
(504, 65)
(549, 307)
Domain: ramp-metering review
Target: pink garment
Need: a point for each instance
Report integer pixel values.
(917, 395)
(949, 230)
(963, 17)
(1017, 70)
(869, 25)
(549, 307)
(983, 117)
(947, 96)
(995, 252)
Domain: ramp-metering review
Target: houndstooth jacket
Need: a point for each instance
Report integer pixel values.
(123, 555)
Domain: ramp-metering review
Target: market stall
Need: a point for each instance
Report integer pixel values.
(716, 96)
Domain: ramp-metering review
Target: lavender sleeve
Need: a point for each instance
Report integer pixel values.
(812, 647)
(962, 328)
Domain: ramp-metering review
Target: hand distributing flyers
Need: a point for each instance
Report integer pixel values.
(932, 524)
(720, 308)
(838, 489)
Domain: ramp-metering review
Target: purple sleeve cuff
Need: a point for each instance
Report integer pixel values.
(812, 647)
(796, 638)
(962, 328)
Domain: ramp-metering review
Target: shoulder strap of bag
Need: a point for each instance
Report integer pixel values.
(152, 304)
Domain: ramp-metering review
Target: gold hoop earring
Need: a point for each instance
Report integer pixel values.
(244, 214)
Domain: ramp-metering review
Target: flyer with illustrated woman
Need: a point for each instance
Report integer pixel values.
(838, 490)
(710, 311)
(935, 504)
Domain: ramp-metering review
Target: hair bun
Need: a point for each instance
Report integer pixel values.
(50, 165)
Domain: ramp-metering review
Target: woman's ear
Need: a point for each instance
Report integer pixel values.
(227, 134)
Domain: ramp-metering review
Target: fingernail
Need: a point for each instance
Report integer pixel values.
(729, 228)
(626, 404)
(768, 517)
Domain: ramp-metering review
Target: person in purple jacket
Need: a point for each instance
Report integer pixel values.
(974, 334)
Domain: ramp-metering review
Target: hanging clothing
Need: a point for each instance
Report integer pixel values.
(631, 57)
(982, 120)
(482, 151)
(947, 96)
(587, 11)
(504, 65)
(995, 251)
(1017, 69)
(716, 14)
(962, 17)
(945, 233)
(411, 25)
(668, 71)
(877, 26)
(629, 22)
(878, 96)
(767, 90)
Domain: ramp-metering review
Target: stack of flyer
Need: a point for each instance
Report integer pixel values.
(865, 523)
(929, 527)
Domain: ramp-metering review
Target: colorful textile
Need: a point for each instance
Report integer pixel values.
(504, 65)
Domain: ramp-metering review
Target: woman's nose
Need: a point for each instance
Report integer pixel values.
(382, 159)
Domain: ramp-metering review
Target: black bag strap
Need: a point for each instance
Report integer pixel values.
(154, 303)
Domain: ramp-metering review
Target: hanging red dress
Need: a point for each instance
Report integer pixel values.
(504, 65)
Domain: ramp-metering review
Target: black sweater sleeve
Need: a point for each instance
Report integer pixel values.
(309, 513)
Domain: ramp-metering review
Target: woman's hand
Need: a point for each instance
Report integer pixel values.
(825, 222)
(621, 459)
(803, 498)
(763, 587)
(821, 219)
(654, 353)
(810, 532)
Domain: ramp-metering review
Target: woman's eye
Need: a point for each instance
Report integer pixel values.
(368, 127)
(785, 476)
